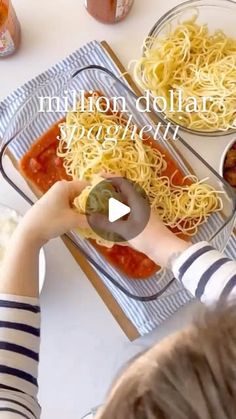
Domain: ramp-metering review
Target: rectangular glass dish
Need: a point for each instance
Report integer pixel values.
(28, 124)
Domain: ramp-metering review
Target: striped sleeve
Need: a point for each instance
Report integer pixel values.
(19, 357)
(206, 273)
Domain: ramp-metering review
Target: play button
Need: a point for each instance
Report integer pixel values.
(116, 210)
(124, 207)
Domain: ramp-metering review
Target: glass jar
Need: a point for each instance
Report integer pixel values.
(109, 11)
(9, 29)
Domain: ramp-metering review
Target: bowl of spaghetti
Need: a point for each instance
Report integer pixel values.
(188, 66)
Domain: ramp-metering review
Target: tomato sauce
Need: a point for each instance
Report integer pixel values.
(43, 168)
(41, 165)
(133, 263)
(109, 11)
(229, 169)
(10, 32)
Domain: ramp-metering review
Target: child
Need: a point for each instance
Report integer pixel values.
(190, 375)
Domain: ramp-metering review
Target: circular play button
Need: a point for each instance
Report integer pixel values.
(117, 209)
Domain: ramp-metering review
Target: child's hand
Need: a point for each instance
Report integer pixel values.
(52, 215)
(156, 240)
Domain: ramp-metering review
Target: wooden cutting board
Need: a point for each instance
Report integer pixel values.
(125, 324)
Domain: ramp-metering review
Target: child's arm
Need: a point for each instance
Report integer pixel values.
(204, 271)
(208, 274)
(19, 304)
(50, 217)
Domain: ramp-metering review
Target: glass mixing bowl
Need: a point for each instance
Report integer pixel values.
(217, 14)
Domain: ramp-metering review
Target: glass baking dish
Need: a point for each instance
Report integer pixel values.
(28, 124)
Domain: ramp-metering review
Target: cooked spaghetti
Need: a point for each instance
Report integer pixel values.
(198, 64)
(182, 207)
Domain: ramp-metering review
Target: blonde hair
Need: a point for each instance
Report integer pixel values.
(194, 378)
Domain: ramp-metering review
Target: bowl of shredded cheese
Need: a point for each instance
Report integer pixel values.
(188, 66)
(9, 219)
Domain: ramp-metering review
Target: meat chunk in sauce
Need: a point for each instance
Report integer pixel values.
(230, 176)
(230, 166)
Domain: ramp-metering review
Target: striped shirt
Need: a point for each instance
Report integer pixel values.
(19, 357)
(208, 274)
(205, 272)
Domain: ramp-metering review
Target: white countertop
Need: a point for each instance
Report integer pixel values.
(82, 345)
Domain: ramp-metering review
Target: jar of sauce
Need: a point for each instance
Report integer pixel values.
(9, 29)
(109, 11)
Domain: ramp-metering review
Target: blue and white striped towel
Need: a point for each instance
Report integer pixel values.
(145, 316)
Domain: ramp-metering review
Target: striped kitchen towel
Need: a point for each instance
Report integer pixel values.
(144, 315)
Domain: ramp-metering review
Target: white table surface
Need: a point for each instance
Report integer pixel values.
(82, 346)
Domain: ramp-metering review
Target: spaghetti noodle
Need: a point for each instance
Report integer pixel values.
(200, 65)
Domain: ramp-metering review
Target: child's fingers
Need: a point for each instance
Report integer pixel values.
(106, 175)
(125, 186)
(127, 189)
(78, 220)
(75, 187)
(71, 188)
